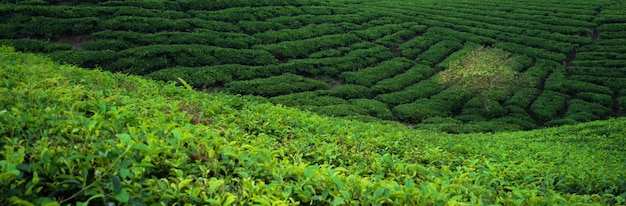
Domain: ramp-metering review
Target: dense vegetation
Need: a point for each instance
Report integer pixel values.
(75, 136)
(388, 52)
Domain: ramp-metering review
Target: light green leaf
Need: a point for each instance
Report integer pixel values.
(187, 86)
(184, 183)
(215, 185)
(124, 138)
(177, 133)
(123, 196)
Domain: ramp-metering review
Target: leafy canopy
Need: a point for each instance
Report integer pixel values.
(483, 71)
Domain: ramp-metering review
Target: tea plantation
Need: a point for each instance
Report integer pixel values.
(71, 136)
(308, 102)
(360, 59)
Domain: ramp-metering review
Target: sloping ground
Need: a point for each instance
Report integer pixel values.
(380, 59)
(69, 135)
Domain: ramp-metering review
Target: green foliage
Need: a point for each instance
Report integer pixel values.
(72, 137)
(352, 91)
(412, 76)
(368, 76)
(86, 59)
(198, 77)
(438, 52)
(302, 48)
(439, 105)
(374, 108)
(571, 48)
(314, 98)
(483, 72)
(410, 49)
(548, 105)
(422, 89)
(32, 45)
(274, 86)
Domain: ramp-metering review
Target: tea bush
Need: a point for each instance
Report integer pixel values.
(72, 136)
(274, 86)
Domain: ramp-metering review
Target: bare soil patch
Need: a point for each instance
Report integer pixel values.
(76, 41)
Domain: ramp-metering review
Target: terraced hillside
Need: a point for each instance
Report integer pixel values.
(70, 136)
(361, 59)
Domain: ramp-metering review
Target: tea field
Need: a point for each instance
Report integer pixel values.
(72, 136)
(360, 59)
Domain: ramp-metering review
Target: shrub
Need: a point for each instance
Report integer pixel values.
(352, 91)
(522, 122)
(423, 89)
(376, 32)
(86, 59)
(601, 99)
(574, 86)
(444, 124)
(339, 110)
(412, 76)
(197, 77)
(579, 106)
(523, 97)
(548, 105)
(560, 122)
(303, 48)
(410, 49)
(106, 44)
(374, 108)
(274, 86)
(475, 106)
(33, 45)
(311, 98)
(437, 52)
(368, 76)
(421, 109)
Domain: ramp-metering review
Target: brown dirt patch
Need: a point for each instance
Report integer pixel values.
(76, 41)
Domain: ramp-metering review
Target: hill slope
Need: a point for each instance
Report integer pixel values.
(69, 135)
(363, 59)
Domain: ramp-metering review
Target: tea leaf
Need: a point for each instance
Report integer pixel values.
(117, 184)
(122, 196)
(124, 138)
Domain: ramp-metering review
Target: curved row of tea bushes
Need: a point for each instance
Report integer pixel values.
(500, 34)
(110, 38)
(197, 77)
(300, 49)
(563, 25)
(614, 83)
(274, 86)
(50, 27)
(369, 76)
(376, 33)
(310, 98)
(442, 104)
(34, 45)
(392, 40)
(415, 46)
(304, 32)
(353, 91)
(423, 89)
(438, 52)
(334, 66)
(326, 102)
(202, 4)
(548, 105)
(412, 76)
(505, 20)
